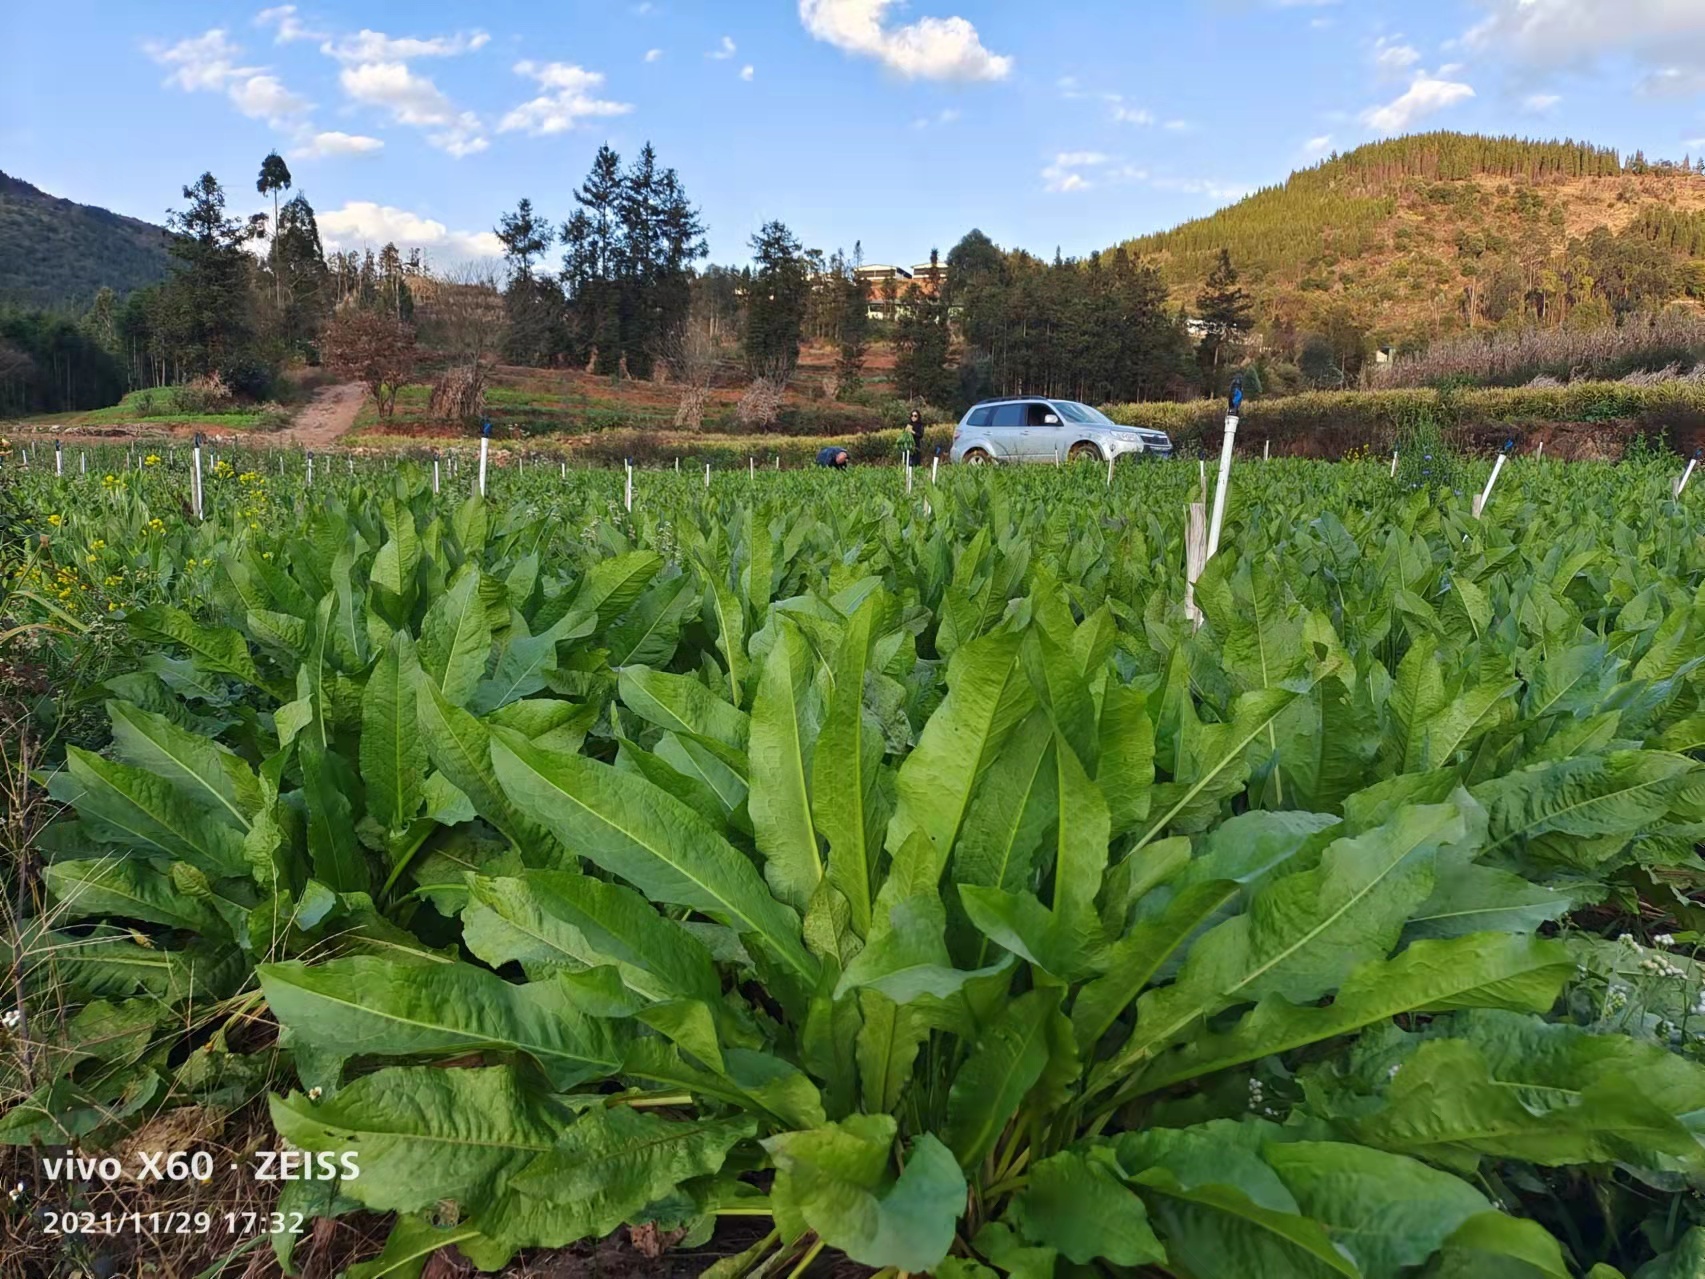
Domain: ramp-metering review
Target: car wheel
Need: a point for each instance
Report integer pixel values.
(976, 457)
(1084, 452)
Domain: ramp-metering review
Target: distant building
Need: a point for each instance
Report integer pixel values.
(884, 286)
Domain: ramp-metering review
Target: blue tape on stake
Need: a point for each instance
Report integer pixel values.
(485, 429)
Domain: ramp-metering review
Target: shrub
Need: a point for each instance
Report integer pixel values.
(247, 377)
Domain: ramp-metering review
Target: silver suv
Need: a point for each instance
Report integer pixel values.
(1038, 430)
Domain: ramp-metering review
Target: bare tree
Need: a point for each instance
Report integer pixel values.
(460, 313)
(692, 355)
(373, 348)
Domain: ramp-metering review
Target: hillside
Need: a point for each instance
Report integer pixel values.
(1434, 233)
(56, 253)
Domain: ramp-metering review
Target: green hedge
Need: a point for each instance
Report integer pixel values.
(1332, 421)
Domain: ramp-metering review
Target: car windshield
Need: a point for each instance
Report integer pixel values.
(1083, 413)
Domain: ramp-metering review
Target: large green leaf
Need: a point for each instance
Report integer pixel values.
(1305, 932)
(631, 828)
(683, 705)
(1076, 1205)
(126, 888)
(120, 804)
(364, 1006)
(204, 772)
(609, 1165)
(1491, 970)
(455, 639)
(837, 1180)
(988, 696)
(851, 812)
(419, 1135)
(1004, 1065)
(1387, 1212)
(780, 753)
(567, 920)
(393, 756)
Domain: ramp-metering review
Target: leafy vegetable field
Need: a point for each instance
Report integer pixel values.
(902, 873)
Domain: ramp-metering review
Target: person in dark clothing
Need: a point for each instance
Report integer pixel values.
(916, 426)
(832, 456)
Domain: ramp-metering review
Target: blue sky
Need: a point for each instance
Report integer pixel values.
(898, 123)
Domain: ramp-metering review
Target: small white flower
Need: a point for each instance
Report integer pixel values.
(12, 1018)
(1663, 939)
(314, 1093)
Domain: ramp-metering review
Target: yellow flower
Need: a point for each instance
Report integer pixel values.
(109, 481)
(55, 520)
(99, 544)
(112, 607)
(156, 526)
(153, 459)
(90, 558)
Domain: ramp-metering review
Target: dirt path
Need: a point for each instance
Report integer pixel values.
(327, 416)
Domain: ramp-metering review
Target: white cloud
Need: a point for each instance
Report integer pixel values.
(414, 100)
(1539, 103)
(207, 61)
(928, 49)
(1394, 56)
(1064, 174)
(724, 51)
(1673, 82)
(264, 97)
(376, 46)
(361, 223)
(1124, 114)
(1318, 148)
(1550, 33)
(747, 72)
(335, 144)
(1177, 126)
(289, 26)
(1423, 98)
(654, 55)
(568, 98)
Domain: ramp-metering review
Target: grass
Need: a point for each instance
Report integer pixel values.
(1336, 421)
(150, 408)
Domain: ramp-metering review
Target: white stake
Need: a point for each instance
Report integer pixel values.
(82, 462)
(908, 474)
(934, 466)
(1540, 451)
(1109, 470)
(58, 459)
(778, 461)
(485, 446)
(1202, 465)
(1224, 479)
(1480, 502)
(195, 480)
(677, 466)
(707, 475)
(1056, 455)
(1394, 464)
(435, 473)
(565, 470)
(628, 496)
(310, 468)
(1681, 484)
(751, 469)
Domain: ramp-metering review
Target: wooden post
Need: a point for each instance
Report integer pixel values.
(1195, 556)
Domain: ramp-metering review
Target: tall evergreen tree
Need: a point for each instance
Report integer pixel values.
(1225, 311)
(775, 303)
(204, 313)
(274, 177)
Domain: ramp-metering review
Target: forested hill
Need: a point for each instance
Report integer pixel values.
(1419, 235)
(58, 254)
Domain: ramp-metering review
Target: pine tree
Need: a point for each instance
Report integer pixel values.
(1225, 311)
(775, 303)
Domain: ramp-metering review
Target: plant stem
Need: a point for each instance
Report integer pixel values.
(805, 1262)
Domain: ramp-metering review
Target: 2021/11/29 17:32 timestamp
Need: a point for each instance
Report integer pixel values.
(171, 1223)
